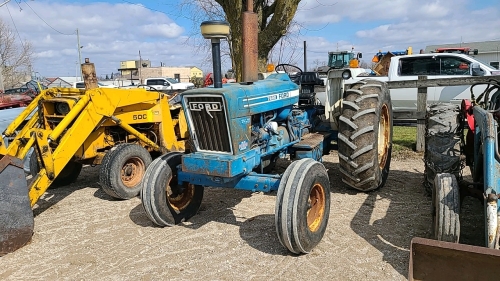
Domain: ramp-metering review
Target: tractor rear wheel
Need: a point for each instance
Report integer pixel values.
(165, 202)
(365, 135)
(446, 208)
(122, 170)
(442, 142)
(68, 175)
(302, 205)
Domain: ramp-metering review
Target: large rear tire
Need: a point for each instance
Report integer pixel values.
(442, 142)
(446, 208)
(302, 206)
(165, 202)
(68, 175)
(122, 170)
(365, 135)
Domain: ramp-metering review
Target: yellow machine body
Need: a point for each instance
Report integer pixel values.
(82, 125)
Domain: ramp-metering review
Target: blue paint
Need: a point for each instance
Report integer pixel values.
(252, 182)
(262, 123)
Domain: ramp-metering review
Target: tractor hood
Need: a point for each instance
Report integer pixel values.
(245, 99)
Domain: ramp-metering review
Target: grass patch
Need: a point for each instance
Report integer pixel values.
(404, 141)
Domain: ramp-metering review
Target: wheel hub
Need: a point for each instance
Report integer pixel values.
(384, 132)
(132, 172)
(179, 197)
(316, 207)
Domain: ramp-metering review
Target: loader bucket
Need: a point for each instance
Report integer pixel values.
(438, 260)
(16, 216)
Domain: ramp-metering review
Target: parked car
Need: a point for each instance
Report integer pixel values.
(81, 85)
(166, 83)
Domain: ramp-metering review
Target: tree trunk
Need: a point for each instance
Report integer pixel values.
(274, 20)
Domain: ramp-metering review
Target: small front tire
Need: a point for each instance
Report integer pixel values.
(446, 208)
(165, 202)
(302, 206)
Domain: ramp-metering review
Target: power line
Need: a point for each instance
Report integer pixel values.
(45, 21)
(15, 27)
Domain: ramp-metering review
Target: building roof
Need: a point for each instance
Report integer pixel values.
(70, 79)
(482, 47)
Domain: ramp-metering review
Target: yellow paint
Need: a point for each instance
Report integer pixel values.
(87, 131)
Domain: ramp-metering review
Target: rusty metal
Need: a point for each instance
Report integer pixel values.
(384, 136)
(89, 75)
(438, 260)
(16, 216)
(316, 207)
(250, 41)
(132, 172)
(179, 197)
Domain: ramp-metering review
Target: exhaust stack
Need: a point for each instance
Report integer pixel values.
(250, 56)
(215, 30)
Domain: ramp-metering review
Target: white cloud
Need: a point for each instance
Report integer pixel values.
(171, 30)
(396, 24)
(109, 33)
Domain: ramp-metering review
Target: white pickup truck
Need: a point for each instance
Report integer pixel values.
(434, 66)
(165, 83)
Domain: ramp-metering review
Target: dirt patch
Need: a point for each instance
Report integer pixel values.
(82, 233)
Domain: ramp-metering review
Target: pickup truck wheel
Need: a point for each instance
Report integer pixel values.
(165, 202)
(122, 170)
(442, 142)
(365, 135)
(446, 208)
(68, 175)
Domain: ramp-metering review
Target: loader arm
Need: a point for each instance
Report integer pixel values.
(58, 138)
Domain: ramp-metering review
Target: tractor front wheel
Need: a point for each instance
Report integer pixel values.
(302, 205)
(165, 202)
(122, 170)
(446, 208)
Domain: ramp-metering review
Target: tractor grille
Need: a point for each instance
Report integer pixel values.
(208, 117)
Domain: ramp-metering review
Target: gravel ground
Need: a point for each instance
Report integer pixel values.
(83, 234)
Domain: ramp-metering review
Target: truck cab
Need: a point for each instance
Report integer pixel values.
(434, 66)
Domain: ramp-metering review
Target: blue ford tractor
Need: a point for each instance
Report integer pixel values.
(239, 130)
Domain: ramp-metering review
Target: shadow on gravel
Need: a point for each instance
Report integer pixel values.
(217, 206)
(391, 216)
(53, 195)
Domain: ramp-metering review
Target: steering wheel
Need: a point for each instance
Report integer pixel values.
(288, 69)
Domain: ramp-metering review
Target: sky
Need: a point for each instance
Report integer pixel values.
(114, 31)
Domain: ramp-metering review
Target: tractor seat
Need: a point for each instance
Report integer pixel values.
(310, 78)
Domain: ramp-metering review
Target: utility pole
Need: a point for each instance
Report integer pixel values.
(79, 53)
(305, 56)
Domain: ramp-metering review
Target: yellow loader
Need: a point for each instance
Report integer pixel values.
(117, 128)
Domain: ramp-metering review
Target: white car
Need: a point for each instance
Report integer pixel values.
(81, 85)
(165, 83)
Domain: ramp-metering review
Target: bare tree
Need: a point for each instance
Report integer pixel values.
(274, 16)
(15, 57)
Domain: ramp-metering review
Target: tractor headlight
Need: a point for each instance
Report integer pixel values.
(62, 108)
(346, 74)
